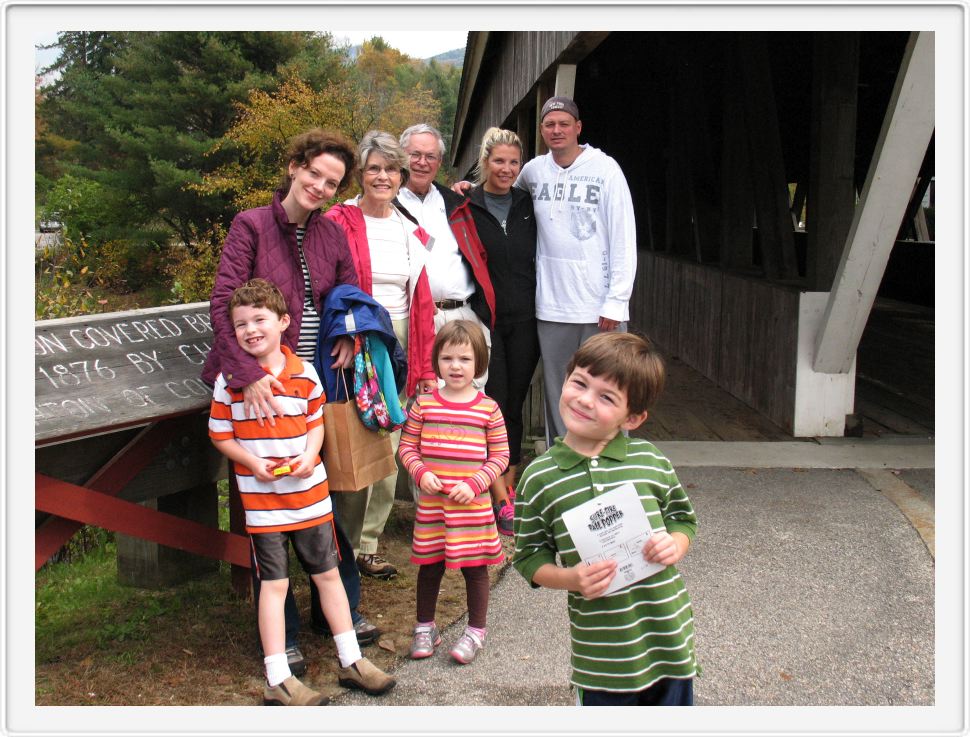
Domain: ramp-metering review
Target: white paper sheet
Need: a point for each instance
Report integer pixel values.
(613, 525)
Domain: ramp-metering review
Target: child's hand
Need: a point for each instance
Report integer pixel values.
(666, 549)
(592, 580)
(461, 493)
(302, 465)
(263, 469)
(430, 484)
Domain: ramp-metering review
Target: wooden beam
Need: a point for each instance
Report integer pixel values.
(93, 508)
(914, 209)
(543, 92)
(737, 196)
(701, 186)
(110, 479)
(831, 198)
(522, 129)
(905, 134)
(766, 160)
(475, 51)
(565, 80)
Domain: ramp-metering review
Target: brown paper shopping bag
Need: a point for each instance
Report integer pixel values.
(354, 456)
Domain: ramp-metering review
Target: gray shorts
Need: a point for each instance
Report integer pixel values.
(316, 549)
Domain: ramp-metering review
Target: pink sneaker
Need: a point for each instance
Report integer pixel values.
(426, 639)
(467, 647)
(504, 517)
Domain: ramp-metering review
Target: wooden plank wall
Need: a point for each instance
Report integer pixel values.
(512, 64)
(739, 332)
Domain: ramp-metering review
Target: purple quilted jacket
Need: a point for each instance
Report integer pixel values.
(262, 243)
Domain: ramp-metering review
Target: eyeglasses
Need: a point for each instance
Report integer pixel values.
(417, 156)
(373, 170)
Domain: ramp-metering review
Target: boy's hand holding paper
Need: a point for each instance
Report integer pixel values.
(614, 526)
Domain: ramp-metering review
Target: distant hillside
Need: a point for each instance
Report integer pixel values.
(454, 57)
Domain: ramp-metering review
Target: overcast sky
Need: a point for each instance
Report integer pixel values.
(418, 44)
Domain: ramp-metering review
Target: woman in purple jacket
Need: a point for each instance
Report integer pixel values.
(291, 244)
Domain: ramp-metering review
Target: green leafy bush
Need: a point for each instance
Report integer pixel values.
(192, 267)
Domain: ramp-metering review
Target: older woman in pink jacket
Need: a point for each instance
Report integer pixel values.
(389, 251)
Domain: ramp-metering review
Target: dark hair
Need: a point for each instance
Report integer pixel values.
(462, 332)
(258, 293)
(628, 359)
(304, 148)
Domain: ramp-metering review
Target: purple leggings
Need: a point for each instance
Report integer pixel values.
(476, 591)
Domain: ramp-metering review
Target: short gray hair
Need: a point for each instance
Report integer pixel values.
(383, 144)
(423, 128)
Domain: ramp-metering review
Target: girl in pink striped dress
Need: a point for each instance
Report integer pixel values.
(454, 445)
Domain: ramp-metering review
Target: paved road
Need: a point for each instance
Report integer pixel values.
(810, 587)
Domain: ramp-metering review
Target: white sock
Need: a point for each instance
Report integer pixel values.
(348, 651)
(277, 669)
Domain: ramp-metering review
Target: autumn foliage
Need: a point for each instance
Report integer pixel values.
(153, 141)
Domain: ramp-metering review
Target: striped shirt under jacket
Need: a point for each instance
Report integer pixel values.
(630, 639)
(291, 503)
(456, 441)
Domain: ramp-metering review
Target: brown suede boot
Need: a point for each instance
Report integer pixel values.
(365, 676)
(292, 692)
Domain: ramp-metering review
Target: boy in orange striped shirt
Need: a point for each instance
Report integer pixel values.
(283, 487)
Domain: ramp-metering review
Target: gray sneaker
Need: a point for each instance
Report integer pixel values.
(467, 647)
(426, 639)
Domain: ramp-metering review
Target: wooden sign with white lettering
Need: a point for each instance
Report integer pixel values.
(100, 373)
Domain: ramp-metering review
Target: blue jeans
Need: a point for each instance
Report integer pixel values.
(665, 692)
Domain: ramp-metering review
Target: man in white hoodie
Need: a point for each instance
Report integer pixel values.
(586, 257)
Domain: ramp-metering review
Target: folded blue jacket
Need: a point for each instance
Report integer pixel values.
(349, 311)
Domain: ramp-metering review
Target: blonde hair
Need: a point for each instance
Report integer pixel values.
(494, 137)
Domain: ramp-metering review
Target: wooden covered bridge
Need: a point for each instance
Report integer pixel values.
(778, 182)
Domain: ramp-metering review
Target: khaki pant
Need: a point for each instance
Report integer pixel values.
(363, 514)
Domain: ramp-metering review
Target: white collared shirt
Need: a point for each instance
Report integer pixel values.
(448, 274)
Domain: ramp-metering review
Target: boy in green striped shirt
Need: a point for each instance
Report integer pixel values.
(634, 646)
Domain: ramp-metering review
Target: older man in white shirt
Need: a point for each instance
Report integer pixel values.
(457, 271)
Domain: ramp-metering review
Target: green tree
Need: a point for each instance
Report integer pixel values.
(141, 121)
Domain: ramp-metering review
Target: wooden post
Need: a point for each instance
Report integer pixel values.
(565, 80)
(737, 197)
(242, 582)
(523, 129)
(151, 565)
(905, 134)
(831, 198)
(543, 92)
(699, 159)
(766, 161)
